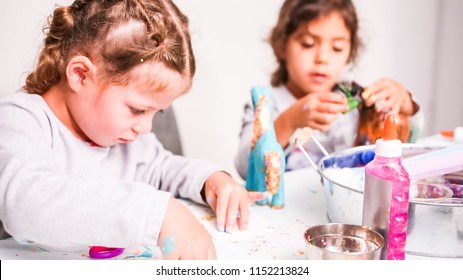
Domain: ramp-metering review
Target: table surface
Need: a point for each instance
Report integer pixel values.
(272, 234)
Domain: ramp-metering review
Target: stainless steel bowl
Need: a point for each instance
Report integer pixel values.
(435, 226)
(342, 242)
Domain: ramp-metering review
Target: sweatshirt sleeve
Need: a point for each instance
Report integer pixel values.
(178, 175)
(41, 205)
(244, 149)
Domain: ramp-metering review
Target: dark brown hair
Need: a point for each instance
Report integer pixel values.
(295, 13)
(86, 28)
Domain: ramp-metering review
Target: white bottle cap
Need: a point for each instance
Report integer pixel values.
(388, 148)
(389, 145)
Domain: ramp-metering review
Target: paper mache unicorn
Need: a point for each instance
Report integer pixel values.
(267, 158)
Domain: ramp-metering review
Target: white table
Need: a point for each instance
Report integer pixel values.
(278, 233)
(272, 234)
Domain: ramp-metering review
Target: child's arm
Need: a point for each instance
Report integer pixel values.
(54, 191)
(186, 178)
(390, 96)
(180, 176)
(183, 237)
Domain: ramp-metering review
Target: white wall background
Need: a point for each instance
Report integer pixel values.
(417, 42)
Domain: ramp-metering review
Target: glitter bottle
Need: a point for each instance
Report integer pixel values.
(385, 201)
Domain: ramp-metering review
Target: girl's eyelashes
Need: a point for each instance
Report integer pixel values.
(141, 112)
(307, 45)
(340, 45)
(307, 42)
(311, 45)
(137, 111)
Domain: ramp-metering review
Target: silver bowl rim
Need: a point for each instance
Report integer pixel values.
(366, 228)
(452, 202)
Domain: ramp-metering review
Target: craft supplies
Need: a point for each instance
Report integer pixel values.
(386, 193)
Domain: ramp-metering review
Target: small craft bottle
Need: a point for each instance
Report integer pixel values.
(385, 200)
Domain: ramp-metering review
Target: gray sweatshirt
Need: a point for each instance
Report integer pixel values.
(63, 192)
(340, 136)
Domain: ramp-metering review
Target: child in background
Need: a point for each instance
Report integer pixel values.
(77, 162)
(313, 41)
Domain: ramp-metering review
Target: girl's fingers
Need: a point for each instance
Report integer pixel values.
(221, 210)
(212, 201)
(320, 127)
(323, 118)
(232, 212)
(332, 108)
(387, 105)
(331, 97)
(373, 93)
(378, 85)
(395, 108)
(383, 94)
(256, 196)
(373, 98)
(243, 212)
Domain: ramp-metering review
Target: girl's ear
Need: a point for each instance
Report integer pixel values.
(80, 73)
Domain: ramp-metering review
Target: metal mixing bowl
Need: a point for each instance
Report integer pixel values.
(435, 226)
(342, 242)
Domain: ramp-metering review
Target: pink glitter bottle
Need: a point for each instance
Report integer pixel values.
(385, 200)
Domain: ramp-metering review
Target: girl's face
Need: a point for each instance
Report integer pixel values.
(316, 54)
(118, 114)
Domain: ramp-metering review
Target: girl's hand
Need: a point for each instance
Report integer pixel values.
(317, 110)
(229, 200)
(183, 237)
(389, 96)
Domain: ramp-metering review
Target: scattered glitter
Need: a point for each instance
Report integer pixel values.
(208, 218)
(261, 122)
(273, 163)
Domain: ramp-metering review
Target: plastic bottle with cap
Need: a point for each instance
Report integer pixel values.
(385, 200)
